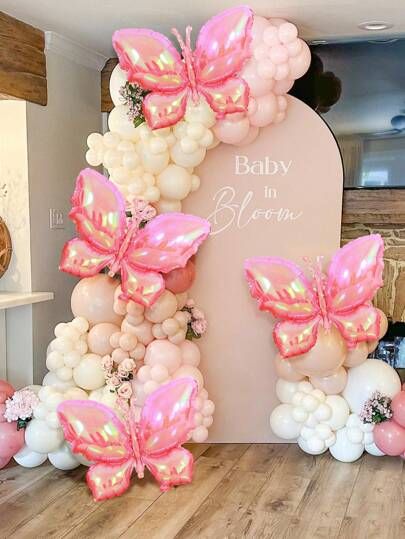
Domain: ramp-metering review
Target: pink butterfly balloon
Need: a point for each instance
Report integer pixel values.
(152, 62)
(341, 298)
(117, 449)
(140, 255)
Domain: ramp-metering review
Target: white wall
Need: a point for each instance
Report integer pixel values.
(56, 148)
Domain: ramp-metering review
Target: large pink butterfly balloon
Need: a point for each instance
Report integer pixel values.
(117, 449)
(341, 298)
(210, 71)
(107, 239)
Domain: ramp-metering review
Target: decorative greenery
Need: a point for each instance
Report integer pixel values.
(376, 409)
(133, 96)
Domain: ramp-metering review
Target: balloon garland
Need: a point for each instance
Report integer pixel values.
(128, 359)
(332, 396)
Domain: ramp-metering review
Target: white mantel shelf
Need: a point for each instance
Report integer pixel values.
(17, 299)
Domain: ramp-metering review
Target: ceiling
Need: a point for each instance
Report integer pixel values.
(91, 22)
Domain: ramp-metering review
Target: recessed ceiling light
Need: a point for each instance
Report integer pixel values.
(375, 26)
(319, 42)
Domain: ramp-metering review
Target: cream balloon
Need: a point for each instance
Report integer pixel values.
(285, 390)
(167, 206)
(99, 336)
(164, 307)
(232, 132)
(118, 122)
(188, 371)
(63, 458)
(363, 380)
(325, 357)
(187, 159)
(174, 182)
(190, 352)
(340, 411)
(89, 374)
(93, 299)
(357, 355)
(332, 384)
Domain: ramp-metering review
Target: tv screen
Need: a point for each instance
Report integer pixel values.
(359, 90)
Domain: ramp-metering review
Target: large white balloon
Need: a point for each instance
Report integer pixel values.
(63, 458)
(363, 380)
(41, 438)
(29, 459)
(117, 80)
(283, 424)
(303, 444)
(343, 449)
(118, 122)
(285, 390)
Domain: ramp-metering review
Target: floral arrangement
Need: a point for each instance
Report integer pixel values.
(133, 97)
(20, 407)
(376, 409)
(197, 323)
(142, 211)
(118, 376)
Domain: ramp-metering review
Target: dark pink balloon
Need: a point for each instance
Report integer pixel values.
(180, 279)
(6, 390)
(389, 437)
(11, 440)
(398, 408)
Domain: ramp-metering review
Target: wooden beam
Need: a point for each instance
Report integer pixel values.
(22, 61)
(374, 206)
(106, 104)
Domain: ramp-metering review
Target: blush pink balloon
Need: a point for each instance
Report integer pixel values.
(285, 369)
(180, 280)
(398, 408)
(117, 448)
(231, 132)
(299, 64)
(282, 87)
(99, 337)
(250, 137)
(357, 355)
(259, 26)
(267, 108)
(258, 86)
(389, 437)
(332, 384)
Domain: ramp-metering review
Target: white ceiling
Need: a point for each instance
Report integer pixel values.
(91, 22)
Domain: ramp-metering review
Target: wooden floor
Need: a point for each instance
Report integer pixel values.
(238, 491)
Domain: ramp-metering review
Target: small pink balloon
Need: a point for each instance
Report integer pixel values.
(278, 54)
(325, 357)
(299, 64)
(357, 355)
(11, 439)
(398, 408)
(383, 324)
(332, 384)
(6, 390)
(281, 87)
(287, 32)
(389, 437)
(250, 137)
(180, 279)
(267, 109)
(99, 337)
(258, 86)
(231, 132)
(258, 27)
(285, 369)
(163, 352)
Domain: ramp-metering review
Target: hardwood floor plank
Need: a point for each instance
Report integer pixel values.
(376, 507)
(170, 512)
(262, 458)
(21, 508)
(197, 449)
(15, 479)
(226, 451)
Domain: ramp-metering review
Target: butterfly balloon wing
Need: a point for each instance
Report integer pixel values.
(167, 419)
(354, 276)
(165, 243)
(152, 62)
(223, 46)
(282, 288)
(98, 211)
(94, 431)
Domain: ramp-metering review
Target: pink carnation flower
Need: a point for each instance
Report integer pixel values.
(21, 405)
(199, 326)
(125, 390)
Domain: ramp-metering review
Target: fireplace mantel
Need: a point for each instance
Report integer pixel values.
(374, 206)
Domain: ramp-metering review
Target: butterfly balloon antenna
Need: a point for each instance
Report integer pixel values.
(188, 59)
(319, 280)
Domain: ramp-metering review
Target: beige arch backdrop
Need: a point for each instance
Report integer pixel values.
(279, 196)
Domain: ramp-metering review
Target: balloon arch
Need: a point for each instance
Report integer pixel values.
(124, 390)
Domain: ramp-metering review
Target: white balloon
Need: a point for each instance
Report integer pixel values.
(372, 449)
(283, 424)
(174, 182)
(41, 438)
(51, 379)
(89, 374)
(187, 159)
(118, 122)
(285, 390)
(343, 449)
(166, 206)
(363, 380)
(340, 411)
(117, 80)
(303, 444)
(29, 459)
(63, 458)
